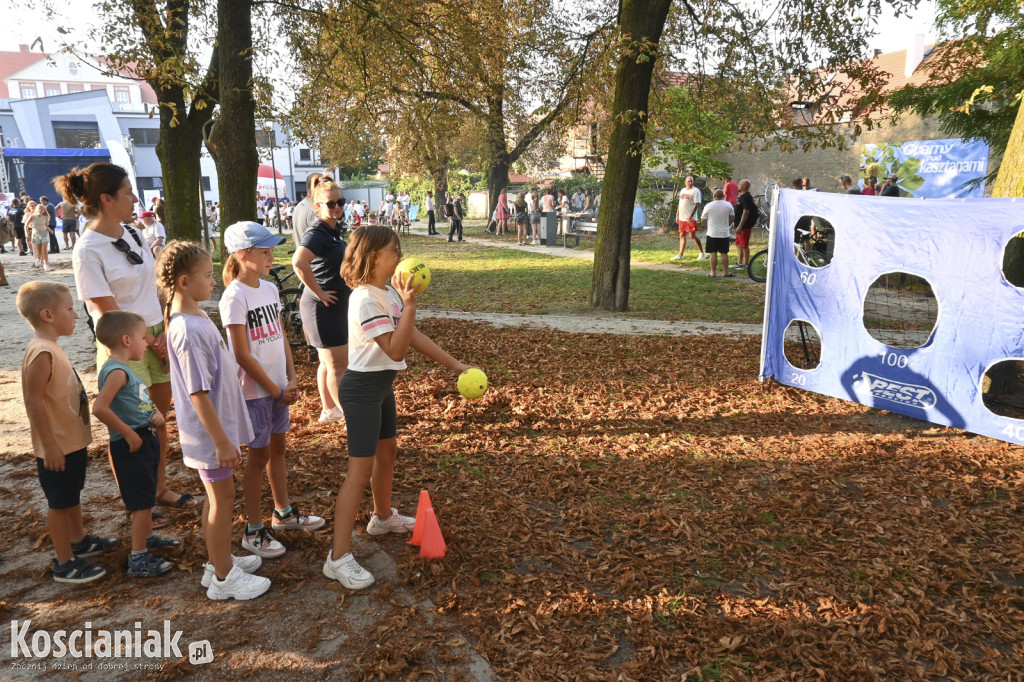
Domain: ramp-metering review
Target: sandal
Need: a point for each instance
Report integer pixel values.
(159, 520)
(186, 500)
(729, 275)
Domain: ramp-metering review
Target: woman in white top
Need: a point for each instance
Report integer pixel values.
(115, 271)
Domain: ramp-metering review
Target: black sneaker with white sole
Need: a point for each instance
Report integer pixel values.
(92, 545)
(77, 571)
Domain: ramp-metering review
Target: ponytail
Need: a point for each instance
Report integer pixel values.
(232, 266)
(176, 259)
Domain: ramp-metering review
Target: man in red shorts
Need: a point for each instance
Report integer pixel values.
(686, 215)
(747, 211)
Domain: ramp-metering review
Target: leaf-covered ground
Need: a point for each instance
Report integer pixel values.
(641, 508)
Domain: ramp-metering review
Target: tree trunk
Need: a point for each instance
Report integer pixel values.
(440, 177)
(179, 150)
(497, 183)
(232, 140)
(1010, 183)
(640, 24)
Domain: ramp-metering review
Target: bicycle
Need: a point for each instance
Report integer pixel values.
(817, 256)
(291, 320)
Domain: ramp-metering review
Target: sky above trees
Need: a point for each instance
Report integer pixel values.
(893, 33)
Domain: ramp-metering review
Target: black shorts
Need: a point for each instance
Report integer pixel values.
(325, 326)
(368, 401)
(716, 244)
(69, 226)
(19, 232)
(522, 220)
(136, 471)
(63, 489)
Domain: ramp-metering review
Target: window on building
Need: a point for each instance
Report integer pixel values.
(122, 94)
(80, 136)
(144, 137)
(204, 181)
(304, 155)
(75, 87)
(73, 68)
(27, 90)
(300, 190)
(265, 139)
(51, 89)
(155, 182)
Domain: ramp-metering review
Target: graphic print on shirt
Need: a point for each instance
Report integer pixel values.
(264, 323)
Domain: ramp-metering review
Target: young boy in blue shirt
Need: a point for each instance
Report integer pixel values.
(123, 404)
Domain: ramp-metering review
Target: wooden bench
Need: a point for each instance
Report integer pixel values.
(580, 228)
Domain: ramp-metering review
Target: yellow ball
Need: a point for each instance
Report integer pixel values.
(472, 383)
(418, 270)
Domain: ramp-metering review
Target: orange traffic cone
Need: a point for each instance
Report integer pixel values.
(421, 518)
(433, 542)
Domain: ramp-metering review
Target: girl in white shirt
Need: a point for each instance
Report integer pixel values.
(382, 328)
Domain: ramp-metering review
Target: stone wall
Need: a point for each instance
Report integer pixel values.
(825, 166)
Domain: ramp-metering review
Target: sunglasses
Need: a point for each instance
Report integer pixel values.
(335, 204)
(122, 246)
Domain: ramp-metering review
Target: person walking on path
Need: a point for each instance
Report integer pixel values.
(686, 215)
(457, 215)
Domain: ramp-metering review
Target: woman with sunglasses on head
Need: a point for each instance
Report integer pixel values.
(324, 303)
(115, 271)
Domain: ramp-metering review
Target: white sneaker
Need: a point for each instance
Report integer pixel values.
(396, 523)
(237, 585)
(46, 268)
(262, 543)
(347, 572)
(249, 564)
(296, 520)
(703, 256)
(678, 256)
(331, 415)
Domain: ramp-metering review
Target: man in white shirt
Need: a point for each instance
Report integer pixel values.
(718, 216)
(431, 218)
(686, 216)
(406, 201)
(154, 232)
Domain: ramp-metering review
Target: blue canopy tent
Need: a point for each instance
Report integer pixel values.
(33, 170)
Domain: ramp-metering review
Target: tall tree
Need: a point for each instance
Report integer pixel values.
(640, 26)
(232, 134)
(747, 64)
(150, 40)
(974, 74)
(507, 64)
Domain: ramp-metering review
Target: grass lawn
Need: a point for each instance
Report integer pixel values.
(473, 277)
(476, 277)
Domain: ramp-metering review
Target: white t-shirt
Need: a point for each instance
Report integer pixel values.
(259, 309)
(689, 199)
(429, 203)
(101, 270)
(717, 214)
(154, 232)
(406, 200)
(372, 312)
